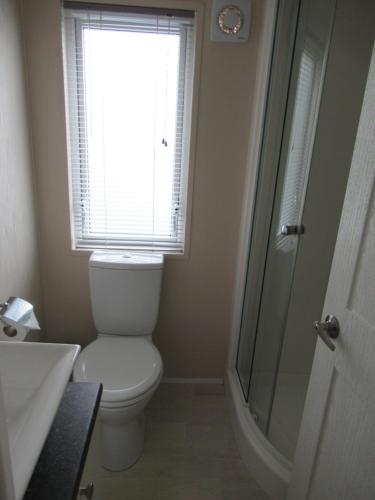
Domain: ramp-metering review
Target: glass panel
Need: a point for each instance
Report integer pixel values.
(283, 50)
(293, 173)
(291, 383)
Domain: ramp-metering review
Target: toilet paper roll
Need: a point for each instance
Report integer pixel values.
(11, 333)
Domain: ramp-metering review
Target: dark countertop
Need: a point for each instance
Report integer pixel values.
(58, 472)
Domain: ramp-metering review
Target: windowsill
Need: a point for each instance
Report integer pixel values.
(86, 252)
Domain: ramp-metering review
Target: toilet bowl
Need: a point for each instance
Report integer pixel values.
(125, 291)
(130, 369)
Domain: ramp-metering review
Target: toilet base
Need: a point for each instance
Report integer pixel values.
(121, 438)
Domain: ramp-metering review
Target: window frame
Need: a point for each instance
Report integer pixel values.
(183, 193)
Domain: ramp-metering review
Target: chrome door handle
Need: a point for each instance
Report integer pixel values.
(287, 230)
(327, 330)
(87, 491)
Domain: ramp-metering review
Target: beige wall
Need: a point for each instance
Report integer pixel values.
(19, 273)
(193, 329)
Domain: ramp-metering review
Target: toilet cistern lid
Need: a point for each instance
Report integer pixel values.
(126, 260)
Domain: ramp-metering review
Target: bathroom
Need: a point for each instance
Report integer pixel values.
(202, 291)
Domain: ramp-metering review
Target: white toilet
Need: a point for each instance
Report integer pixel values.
(125, 293)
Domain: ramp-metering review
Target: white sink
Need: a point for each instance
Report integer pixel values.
(33, 377)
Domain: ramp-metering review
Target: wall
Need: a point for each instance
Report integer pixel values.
(19, 271)
(193, 328)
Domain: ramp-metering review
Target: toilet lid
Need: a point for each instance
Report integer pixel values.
(126, 366)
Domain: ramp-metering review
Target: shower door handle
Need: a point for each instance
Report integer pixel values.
(287, 230)
(328, 330)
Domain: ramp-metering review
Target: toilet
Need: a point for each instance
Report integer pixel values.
(125, 293)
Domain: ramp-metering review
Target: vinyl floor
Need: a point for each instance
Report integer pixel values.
(190, 452)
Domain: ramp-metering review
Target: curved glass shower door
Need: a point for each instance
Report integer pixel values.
(277, 224)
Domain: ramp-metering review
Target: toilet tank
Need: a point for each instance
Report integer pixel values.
(125, 291)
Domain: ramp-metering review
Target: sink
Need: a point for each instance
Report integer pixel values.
(33, 377)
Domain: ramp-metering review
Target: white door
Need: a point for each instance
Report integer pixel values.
(335, 457)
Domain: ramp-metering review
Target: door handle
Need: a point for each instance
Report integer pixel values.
(87, 491)
(328, 330)
(287, 230)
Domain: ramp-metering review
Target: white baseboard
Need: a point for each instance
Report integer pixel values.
(167, 380)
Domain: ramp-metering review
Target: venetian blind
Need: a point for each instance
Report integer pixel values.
(128, 77)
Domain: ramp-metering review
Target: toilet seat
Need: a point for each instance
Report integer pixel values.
(118, 405)
(128, 367)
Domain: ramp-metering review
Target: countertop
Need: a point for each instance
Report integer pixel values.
(58, 472)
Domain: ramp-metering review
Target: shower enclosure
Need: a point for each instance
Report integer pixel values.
(273, 382)
(320, 58)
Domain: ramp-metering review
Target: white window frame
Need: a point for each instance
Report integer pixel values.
(183, 195)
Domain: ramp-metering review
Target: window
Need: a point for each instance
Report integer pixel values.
(128, 74)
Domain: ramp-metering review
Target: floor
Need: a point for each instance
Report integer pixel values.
(190, 452)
